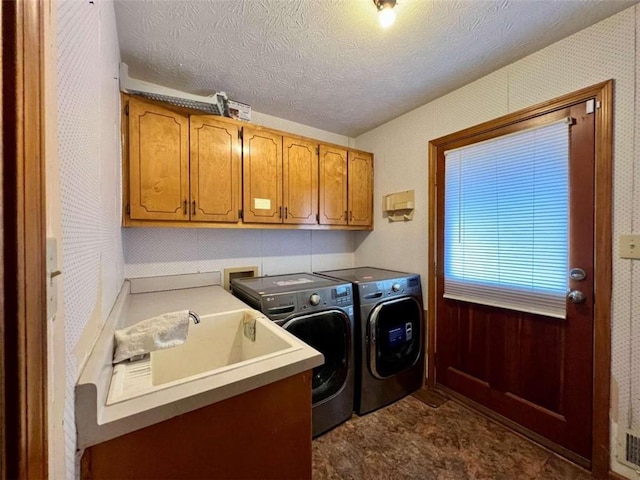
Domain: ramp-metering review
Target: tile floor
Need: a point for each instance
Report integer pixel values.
(410, 440)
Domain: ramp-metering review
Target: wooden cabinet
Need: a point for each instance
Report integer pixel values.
(360, 173)
(158, 163)
(261, 434)
(300, 181)
(215, 170)
(262, 176)
(280, 178)
(333, 186)
(182, 167)
(346, 187)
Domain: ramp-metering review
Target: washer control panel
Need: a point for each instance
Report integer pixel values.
(373, 292)
(279, 306)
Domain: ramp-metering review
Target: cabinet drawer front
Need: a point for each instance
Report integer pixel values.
(300, 173)
(333, 186)
(158, 162)
(215, 170)
(262, 175)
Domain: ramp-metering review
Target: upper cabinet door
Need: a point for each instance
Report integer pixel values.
(158, 162)
(360, 188)
(300, 186)
(333, 186)
(262, 176)
(215, 170)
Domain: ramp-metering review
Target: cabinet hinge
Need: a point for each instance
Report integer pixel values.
(240, 212)
(126, 109)
(128, 208)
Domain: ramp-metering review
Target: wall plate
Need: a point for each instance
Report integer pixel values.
(629, 246)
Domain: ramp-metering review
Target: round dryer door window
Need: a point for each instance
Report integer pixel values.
(395, 332)
(329, 333)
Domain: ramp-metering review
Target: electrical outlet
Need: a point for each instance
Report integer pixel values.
(629, 246)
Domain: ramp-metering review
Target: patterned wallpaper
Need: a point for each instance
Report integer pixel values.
(88, 149)
(156, 251)
(606, 50)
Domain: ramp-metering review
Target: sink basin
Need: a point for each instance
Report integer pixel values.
(218, 343)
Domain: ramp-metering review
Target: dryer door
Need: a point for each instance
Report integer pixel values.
(329, 332)
(395, 333)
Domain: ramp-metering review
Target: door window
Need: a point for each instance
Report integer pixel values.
(506, 221)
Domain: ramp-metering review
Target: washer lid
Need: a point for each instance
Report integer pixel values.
(285, 283)
(365, 274)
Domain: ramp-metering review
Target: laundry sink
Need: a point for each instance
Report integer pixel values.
(218, 343)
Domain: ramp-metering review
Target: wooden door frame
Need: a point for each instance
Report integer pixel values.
(24, 446)
(603, 93)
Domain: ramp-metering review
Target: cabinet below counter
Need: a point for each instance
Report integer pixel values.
(261, 434)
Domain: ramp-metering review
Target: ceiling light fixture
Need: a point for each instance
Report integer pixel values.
(386, 14)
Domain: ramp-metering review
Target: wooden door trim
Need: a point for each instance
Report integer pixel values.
(24, 287)
(603, 93)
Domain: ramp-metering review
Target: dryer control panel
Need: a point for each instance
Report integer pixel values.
(279, 306)
(373, 292)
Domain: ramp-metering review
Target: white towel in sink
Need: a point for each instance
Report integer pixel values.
(163, 331)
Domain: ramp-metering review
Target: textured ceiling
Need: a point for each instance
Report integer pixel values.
(327, 63)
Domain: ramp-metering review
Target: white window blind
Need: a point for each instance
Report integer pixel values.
(506, 221)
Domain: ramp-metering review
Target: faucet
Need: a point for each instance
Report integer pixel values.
(195, 317)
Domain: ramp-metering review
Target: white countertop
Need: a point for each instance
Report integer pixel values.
(97, 422)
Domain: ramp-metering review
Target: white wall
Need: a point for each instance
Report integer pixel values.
(88, 131)
(601, 52)
(162, 251)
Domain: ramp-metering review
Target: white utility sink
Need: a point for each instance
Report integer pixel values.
(230, 346)
(217, 343)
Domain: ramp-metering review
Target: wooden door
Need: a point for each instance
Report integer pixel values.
(300, 186)
(333, 207)
(262, 176)
(215, 170)
(536, 371)
(158, 162)
(360, 173)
